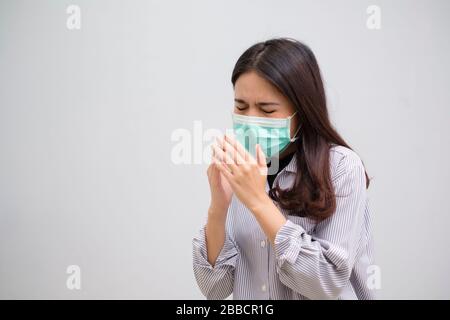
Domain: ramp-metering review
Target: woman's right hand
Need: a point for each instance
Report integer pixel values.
(221, 191)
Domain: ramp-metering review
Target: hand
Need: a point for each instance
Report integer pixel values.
(246, 175)
(220, 189)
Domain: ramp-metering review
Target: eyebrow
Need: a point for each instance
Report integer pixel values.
(260, 104)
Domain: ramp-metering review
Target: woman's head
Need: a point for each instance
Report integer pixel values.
(256, 96)
(275, 78)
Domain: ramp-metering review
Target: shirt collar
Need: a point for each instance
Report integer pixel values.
(292, 165)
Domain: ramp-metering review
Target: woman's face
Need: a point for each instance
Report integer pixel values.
(255, 96)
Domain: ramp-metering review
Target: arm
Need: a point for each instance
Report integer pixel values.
(214, 259)
(215, 235)
(214, 252)
(319, 266)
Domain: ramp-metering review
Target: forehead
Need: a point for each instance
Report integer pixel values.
(251, 86)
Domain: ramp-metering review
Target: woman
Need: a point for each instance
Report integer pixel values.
(302, 232)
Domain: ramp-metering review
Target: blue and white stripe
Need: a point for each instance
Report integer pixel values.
(326, 260)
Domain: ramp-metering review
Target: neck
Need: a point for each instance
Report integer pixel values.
(285, 153)
(288, 151)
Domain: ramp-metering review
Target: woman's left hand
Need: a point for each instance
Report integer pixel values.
(246, 175)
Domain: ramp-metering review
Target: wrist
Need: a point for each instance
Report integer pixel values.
(263, 203)
(217, 214)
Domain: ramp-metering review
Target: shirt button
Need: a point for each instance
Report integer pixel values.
(263, 243)
(263, 288)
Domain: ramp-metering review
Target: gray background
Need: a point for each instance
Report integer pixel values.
(86, 119)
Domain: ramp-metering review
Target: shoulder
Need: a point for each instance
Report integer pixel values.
(344, 160)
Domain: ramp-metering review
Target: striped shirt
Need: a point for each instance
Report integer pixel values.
(325, 260)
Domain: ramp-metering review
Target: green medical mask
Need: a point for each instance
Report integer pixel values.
(272, 134)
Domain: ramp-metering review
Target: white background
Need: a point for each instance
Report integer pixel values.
(86, 118)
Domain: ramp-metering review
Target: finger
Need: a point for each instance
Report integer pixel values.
(235, 153)
(214, 155)
(215, 161)
(217, 152)
(260, 156)
(221, 143)
(225, 171)
(238, 146)
(214, 158)
(225, 158)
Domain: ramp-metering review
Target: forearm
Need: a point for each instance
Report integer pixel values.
(215, 235)
(214, 264)
(268, 216)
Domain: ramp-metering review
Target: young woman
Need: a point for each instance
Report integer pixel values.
(302, 232)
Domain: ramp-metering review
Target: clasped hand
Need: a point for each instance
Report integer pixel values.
(246, 175)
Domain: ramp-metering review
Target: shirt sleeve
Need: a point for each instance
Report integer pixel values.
(215, 282)
(319, 266)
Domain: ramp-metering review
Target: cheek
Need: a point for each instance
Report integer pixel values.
(294, 126)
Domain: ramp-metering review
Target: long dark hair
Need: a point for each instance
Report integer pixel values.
(292, 68)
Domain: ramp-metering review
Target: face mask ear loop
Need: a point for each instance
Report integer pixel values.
(295, 138)
(290, 117)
